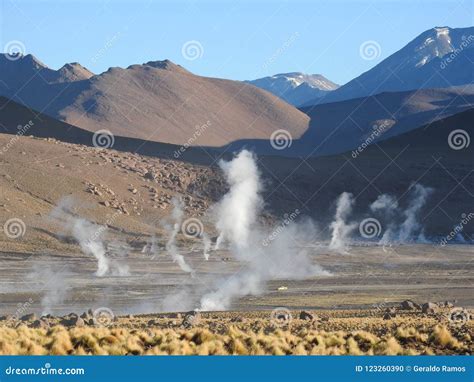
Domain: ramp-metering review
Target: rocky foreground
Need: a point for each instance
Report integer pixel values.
(407, 329)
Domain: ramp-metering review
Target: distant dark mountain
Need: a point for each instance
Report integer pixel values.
(157, 101)
(438, 58)
(296, 88)
(342, 126)
(423, 155)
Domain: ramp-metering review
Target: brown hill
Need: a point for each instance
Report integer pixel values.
(157, 101)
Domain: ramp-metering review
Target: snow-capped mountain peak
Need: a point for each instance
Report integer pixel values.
(439, 57)
(295, 87)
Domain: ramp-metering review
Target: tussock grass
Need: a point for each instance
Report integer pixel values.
(220, 333)
(199, 341)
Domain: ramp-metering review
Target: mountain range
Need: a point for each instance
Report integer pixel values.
(439, 57)
(157, 101)
(429, 79)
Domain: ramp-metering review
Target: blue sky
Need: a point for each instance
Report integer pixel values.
(235, 39)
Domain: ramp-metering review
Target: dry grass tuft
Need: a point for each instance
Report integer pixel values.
(342, 333)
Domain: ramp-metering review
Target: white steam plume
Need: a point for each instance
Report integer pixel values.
(89, 237)
(53, 283)
(341, 230)
(411, 227)
(173, 230)
(385, 203)
(238, 209)
(237, 224)
(207, 245)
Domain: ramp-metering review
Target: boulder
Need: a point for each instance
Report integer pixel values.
(39, 324)
(72, 320)
(409, 305)
(448, 304)
(429, 308)
(28, 317)
(304, 315)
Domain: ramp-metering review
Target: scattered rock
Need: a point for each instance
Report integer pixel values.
(191, 319)
(387, 316)
(39, 324)
(72, 320)
(85, 315)
(429, 308)
(304, 315)
(409, 305)
(150, 175)
(448, 304)
(28, 317)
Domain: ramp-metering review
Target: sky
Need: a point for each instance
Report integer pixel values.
(227, 39)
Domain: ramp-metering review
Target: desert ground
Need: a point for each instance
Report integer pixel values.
(358, 305)
(365, 277)
(394, 300)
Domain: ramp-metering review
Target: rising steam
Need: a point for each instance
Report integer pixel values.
(404, 225)
(89, 237)
(173, 230)
(239, 208)
(341, 229)
(237, 224)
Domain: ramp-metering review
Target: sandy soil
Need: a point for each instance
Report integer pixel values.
(364, 277)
